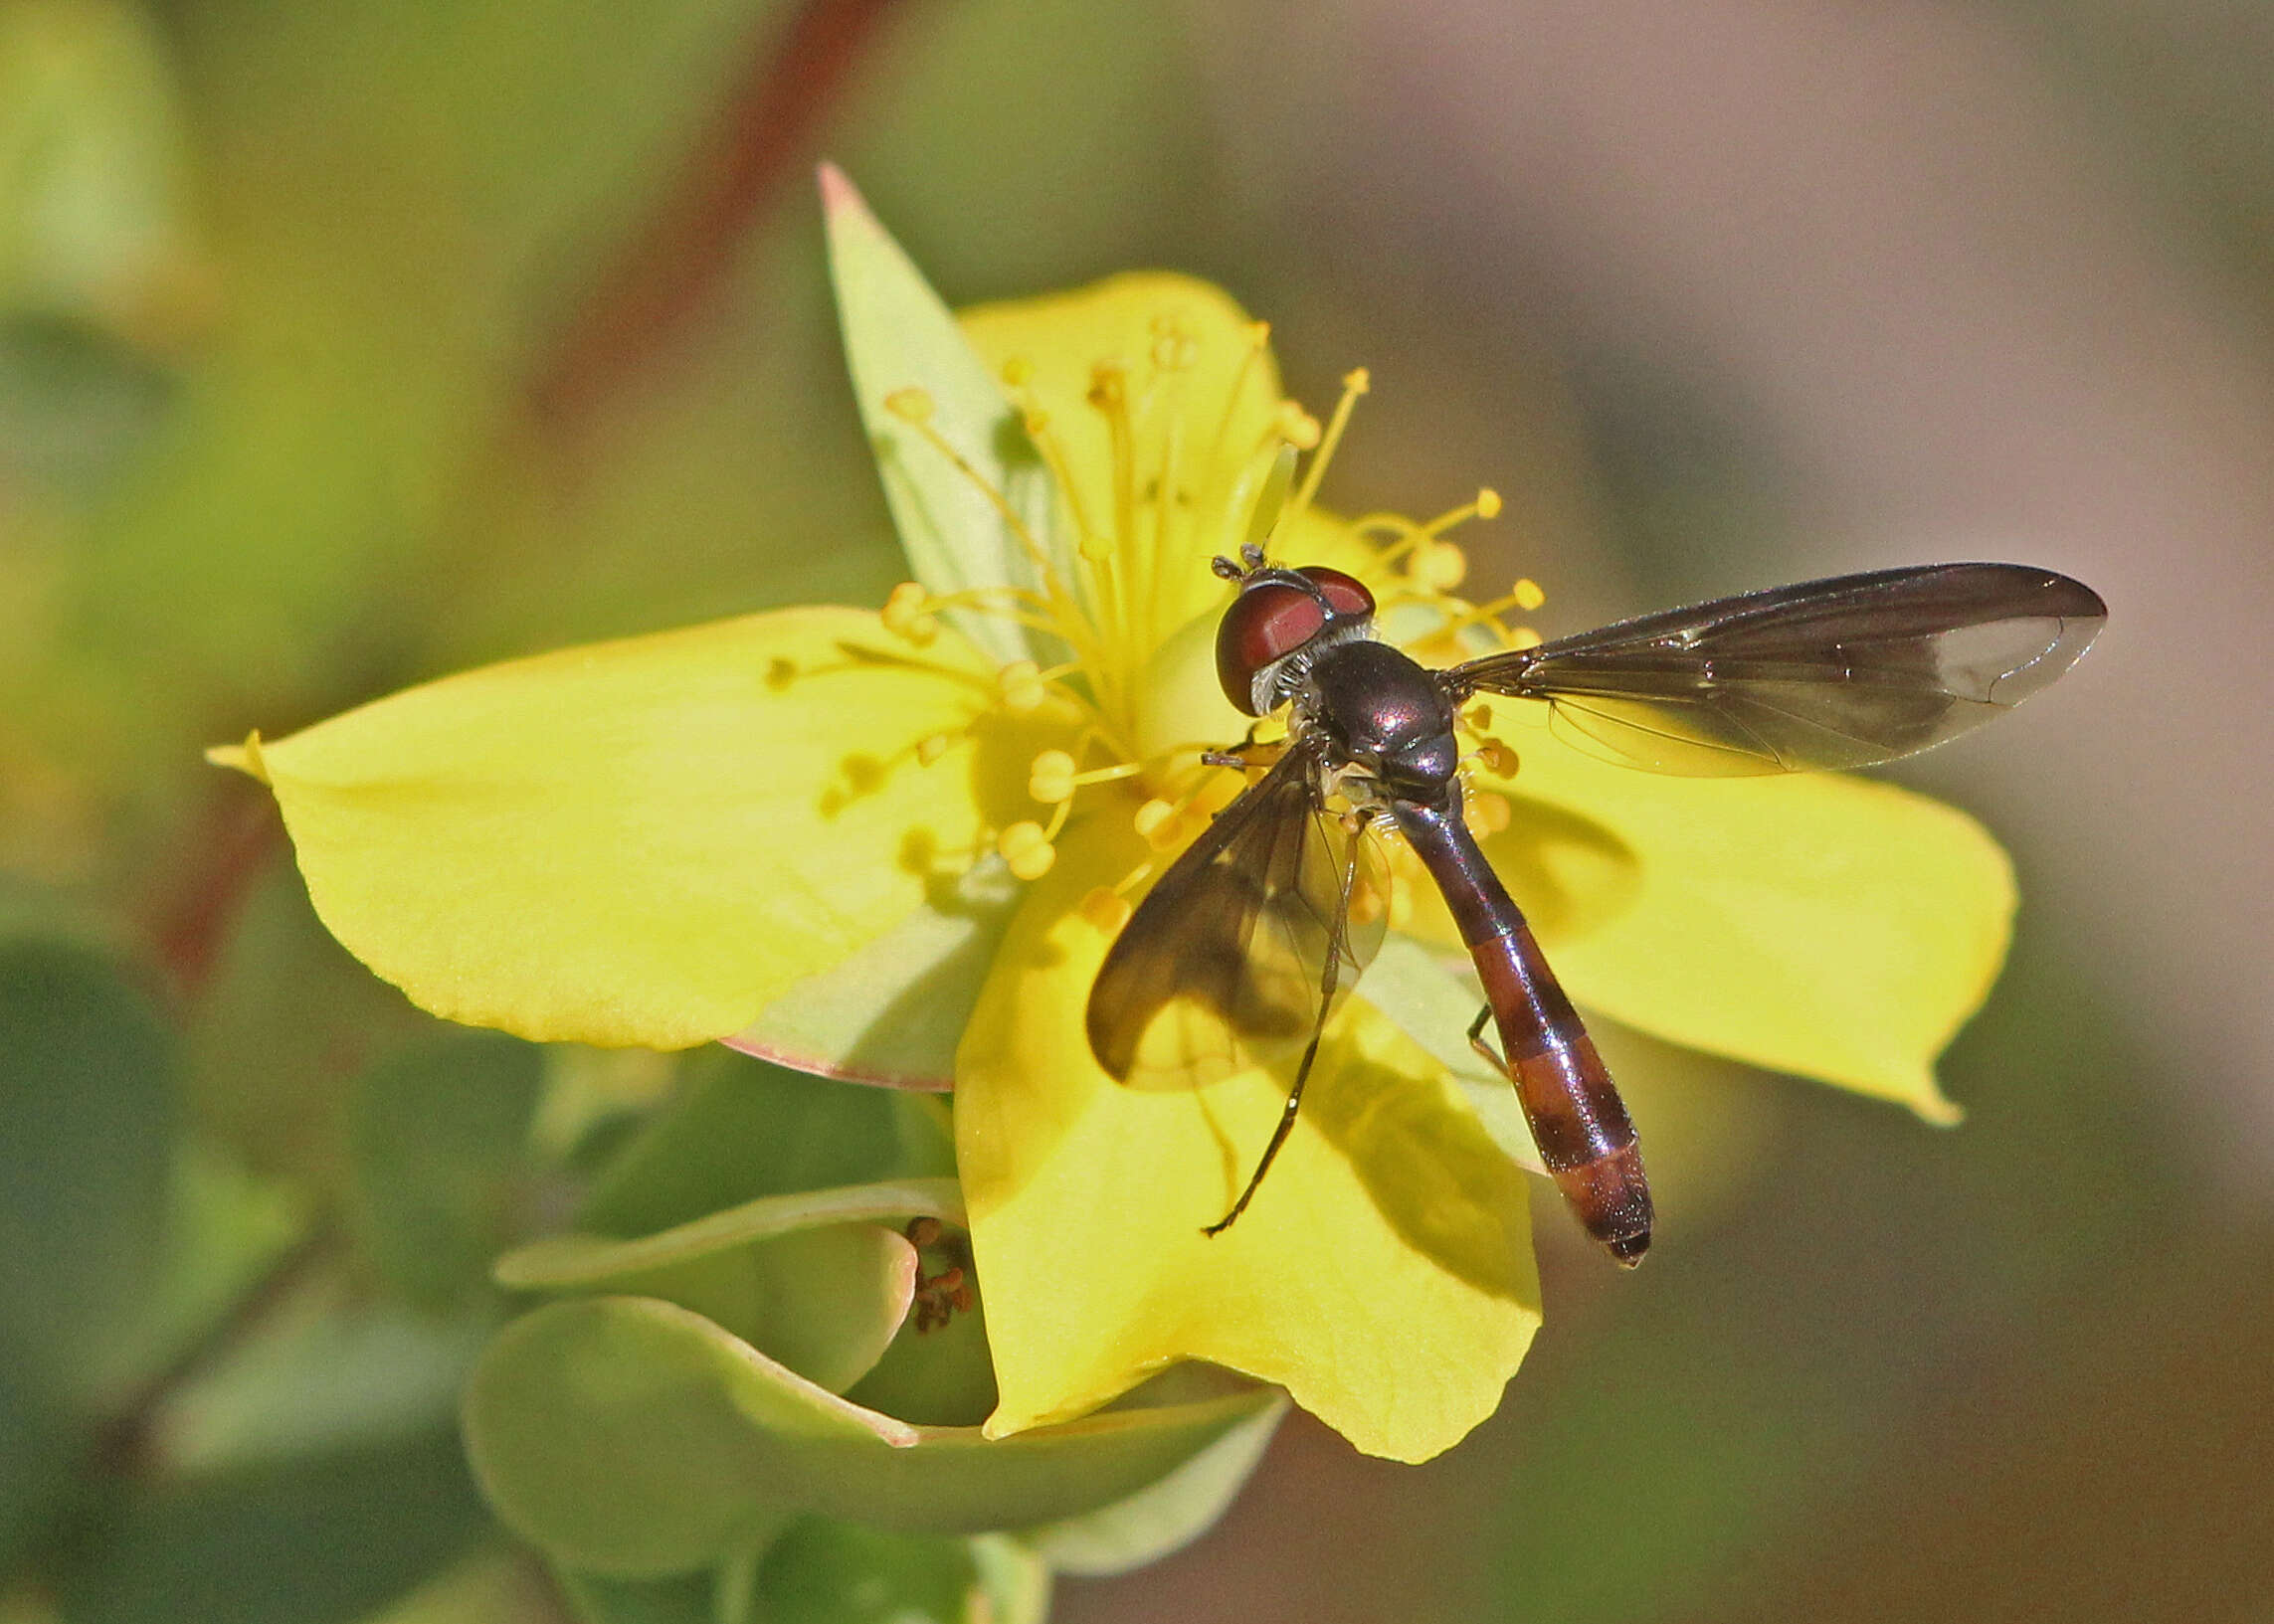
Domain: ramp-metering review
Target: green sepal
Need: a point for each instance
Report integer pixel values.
(631, 1437)
(744, 1128)
(1164, 1516)
(829, 1572)
(899, 335)
(820, 1281)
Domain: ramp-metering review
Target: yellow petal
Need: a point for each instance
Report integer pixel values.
(1831, 925)
(647, 841)
(1198, 392)
(1384, 1274)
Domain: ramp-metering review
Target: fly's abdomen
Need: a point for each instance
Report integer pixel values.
(1576, 1118)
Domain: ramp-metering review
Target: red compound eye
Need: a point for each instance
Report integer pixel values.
(1275, 613)
(1267, 622)
(1348, 596)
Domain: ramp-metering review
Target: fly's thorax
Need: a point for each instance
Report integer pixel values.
(1384, 715)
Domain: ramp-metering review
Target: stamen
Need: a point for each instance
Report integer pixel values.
(1160, 824)
(1294, 425)
(1417, 538)
(1354, 383)
(1525, 595)
(1487, 814)
(1017, 373)
(1495, 757)
(1021, 686)
(1027, 849)
(931, 748)
(1258, 341)
(906, 614)
(1439, 567)
(915, 407)
(1051, 776)
(1106, 910)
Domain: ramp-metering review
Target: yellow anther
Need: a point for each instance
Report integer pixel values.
(1035, 421)
(1296, 427)
(1528, 595)
(1108, 385)
(1021, 684)
(1017, 371)
(1478, 718)
(1107, 910)
(1156, 823)
(1496, 758)
(1488, 503)
(1095, 549)
(1357, 380)
(932, 746)
(906, 614)
(1259, 333)
(1027, 850)
(1487, 814)
(1439, 566)
(910, 405)
(1050, 778)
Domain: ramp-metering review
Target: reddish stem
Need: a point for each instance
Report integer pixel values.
(761, 135)
(236, 838)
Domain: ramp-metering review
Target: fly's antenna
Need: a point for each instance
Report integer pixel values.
(1250, 560)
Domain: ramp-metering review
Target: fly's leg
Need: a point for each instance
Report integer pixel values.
(1328, 979)
(1477, 1041)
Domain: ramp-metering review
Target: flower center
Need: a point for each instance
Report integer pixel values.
(1122, 585)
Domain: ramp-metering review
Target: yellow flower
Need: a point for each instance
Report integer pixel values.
(894, 846)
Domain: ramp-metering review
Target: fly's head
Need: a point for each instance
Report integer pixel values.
(1279, 624)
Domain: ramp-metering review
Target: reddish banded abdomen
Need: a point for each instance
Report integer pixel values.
(1577, 1116)
(1577, 1119)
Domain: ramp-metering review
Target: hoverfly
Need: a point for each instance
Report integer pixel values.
(1255, 925)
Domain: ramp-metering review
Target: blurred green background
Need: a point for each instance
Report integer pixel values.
(343, 345)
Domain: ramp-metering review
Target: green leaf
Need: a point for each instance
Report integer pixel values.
(368, 1375)
(745, 1129)
(37, 1454)
(320, 1539)
(899, 335)
(88, 1118)
(687, 1598)
(439, 1134)
(631, 1437)
(1164, 1516)
(826, 1573)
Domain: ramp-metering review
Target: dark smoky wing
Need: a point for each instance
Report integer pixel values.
(1221, 964)
(1838, 673)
